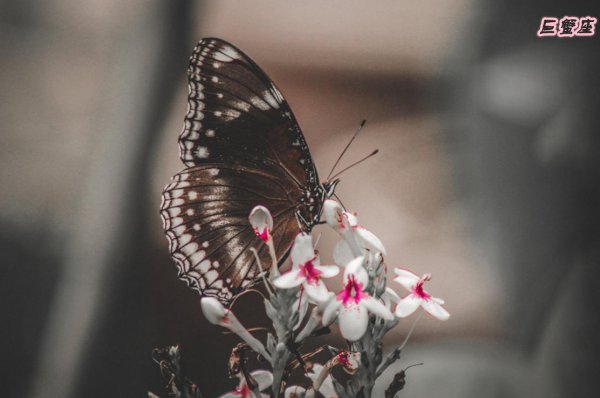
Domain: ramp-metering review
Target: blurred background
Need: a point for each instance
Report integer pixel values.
(489, 149)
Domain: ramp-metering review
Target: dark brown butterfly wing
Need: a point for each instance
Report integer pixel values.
(236, 115)
(243, 148)
(205, 212)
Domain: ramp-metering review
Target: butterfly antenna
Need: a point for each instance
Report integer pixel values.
(412, 366)
(375, 152)
(317, 241)
(346, 148)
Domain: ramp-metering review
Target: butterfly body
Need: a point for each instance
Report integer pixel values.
(242, 147)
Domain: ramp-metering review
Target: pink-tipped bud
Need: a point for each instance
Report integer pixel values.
(262, 222)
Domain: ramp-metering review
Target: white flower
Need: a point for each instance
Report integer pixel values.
(262, 222)
(306, 270)
(263, 378)
(217, 314)
(353, 304)
(356, 240)
(418, 296)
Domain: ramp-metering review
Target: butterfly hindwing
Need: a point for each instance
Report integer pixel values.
(205, 215)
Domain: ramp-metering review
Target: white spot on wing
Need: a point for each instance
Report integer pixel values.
(243, 105)
(198, 256)
(192, 195)
(210, 133)
(270, 99)
(277, 93)
(226, 52)
(204, 266)
(259, 103)
(185, 238)
(190, 249)
(211, 276)
(174, 211)
(180, 228)
(190, 212)
(202, 152)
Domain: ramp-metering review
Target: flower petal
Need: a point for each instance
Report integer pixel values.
(407, 306)
(332, 212)
(349, 220)
(213, 310)
(353, 319)
(390, 296)
(316, 291)
(327, 388)
(294, 392)
(302, 250)
(369, 240)
(377, 308)
(232, 394)
(435, 310)
(342, 253)
(355, 267)
(264, 378)
(406, 278)
(330, 311)
(328, 271)
(322, 305)
(438, 300)
(290, 279)
(262, 222)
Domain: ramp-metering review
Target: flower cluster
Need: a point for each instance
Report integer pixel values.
(365, 309)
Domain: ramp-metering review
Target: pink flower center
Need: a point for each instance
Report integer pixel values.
(308, 271)
(352, 292)
(340, 220)
(419, 291)
(264, 235)
(343, 358)
(243, 391)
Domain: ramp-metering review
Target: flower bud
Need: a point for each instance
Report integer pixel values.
(213, 310)
(262, 222)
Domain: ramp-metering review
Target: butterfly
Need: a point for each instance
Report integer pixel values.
(242, 147)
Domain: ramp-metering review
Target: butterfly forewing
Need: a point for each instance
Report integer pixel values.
(243, 148)
(237, 115)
